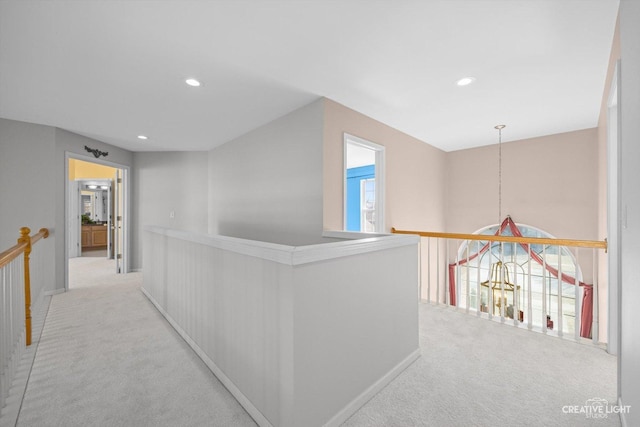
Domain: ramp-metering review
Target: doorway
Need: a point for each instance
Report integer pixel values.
(96, 220)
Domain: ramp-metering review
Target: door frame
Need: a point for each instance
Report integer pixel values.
(126, 173)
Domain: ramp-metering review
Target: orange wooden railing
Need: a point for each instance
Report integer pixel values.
(23, 247)
(442, 264)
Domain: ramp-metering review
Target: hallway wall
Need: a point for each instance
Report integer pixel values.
(165, 182)
(267, 184)
(21, 144)
(32, 162)
(27, 196)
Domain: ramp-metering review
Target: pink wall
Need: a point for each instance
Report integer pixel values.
(603, 263)
(602, 133)
(414, 171)
(549, 182)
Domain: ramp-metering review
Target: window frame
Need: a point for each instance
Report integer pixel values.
(379, 179)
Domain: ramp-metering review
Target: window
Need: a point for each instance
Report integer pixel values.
(363, 185)
(526, 282)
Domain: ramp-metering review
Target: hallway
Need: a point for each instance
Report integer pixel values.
(106, 357)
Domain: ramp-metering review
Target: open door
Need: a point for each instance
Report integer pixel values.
(118, 232)
(75, 248)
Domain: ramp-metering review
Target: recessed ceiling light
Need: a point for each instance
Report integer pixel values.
(465, 81)
(142, 137)
(192, 82)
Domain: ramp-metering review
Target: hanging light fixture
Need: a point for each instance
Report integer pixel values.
(501, 288)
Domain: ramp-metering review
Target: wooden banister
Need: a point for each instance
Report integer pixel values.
(24, 245)
(12, 253)
(598, 244)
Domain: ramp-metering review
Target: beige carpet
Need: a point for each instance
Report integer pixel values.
(475, 372)
(87, 272)
(108, 358)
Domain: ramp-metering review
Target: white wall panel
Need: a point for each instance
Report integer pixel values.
(300, 335)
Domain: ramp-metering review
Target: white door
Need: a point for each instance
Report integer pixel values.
(109, 223)
(74, 226)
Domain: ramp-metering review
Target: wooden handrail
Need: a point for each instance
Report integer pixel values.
(24, 245)
(16, 250)
(43, 233)
(12, 253)
(597, 244)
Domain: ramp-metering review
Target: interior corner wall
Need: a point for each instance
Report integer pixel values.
(267, 184)
(549, 182)
(629, 368)
(414, 172)
(166, 183)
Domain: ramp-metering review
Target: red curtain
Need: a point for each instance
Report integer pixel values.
(586, 316)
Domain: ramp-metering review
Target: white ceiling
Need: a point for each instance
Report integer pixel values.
(113, 70)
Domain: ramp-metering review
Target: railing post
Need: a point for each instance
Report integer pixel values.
(25, 238)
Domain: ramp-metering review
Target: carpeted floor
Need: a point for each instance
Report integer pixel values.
(475, 372)
(108, 358)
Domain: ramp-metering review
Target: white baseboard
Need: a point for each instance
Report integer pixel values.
(135, 270)
(374, 389)
(55, 292)
(254, 412)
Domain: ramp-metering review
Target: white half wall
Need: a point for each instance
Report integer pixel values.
(301, 336)
(267, 185)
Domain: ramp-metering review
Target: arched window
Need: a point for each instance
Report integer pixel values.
(523, 282)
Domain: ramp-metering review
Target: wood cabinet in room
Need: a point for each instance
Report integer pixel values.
(94, 236)
(86, 236)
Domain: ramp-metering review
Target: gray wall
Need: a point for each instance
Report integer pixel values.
(629, 374)
(32, 183)
(165, 182)
(27, 189)
(27, 174)
(267, 184)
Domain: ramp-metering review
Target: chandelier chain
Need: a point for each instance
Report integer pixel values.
(500, 127)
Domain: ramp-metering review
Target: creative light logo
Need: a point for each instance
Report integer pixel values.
(596, 408)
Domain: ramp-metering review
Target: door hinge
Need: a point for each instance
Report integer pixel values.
(119, 181)
(119, 256)
(119, 218)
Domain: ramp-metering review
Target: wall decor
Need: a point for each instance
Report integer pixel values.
(97, 153)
